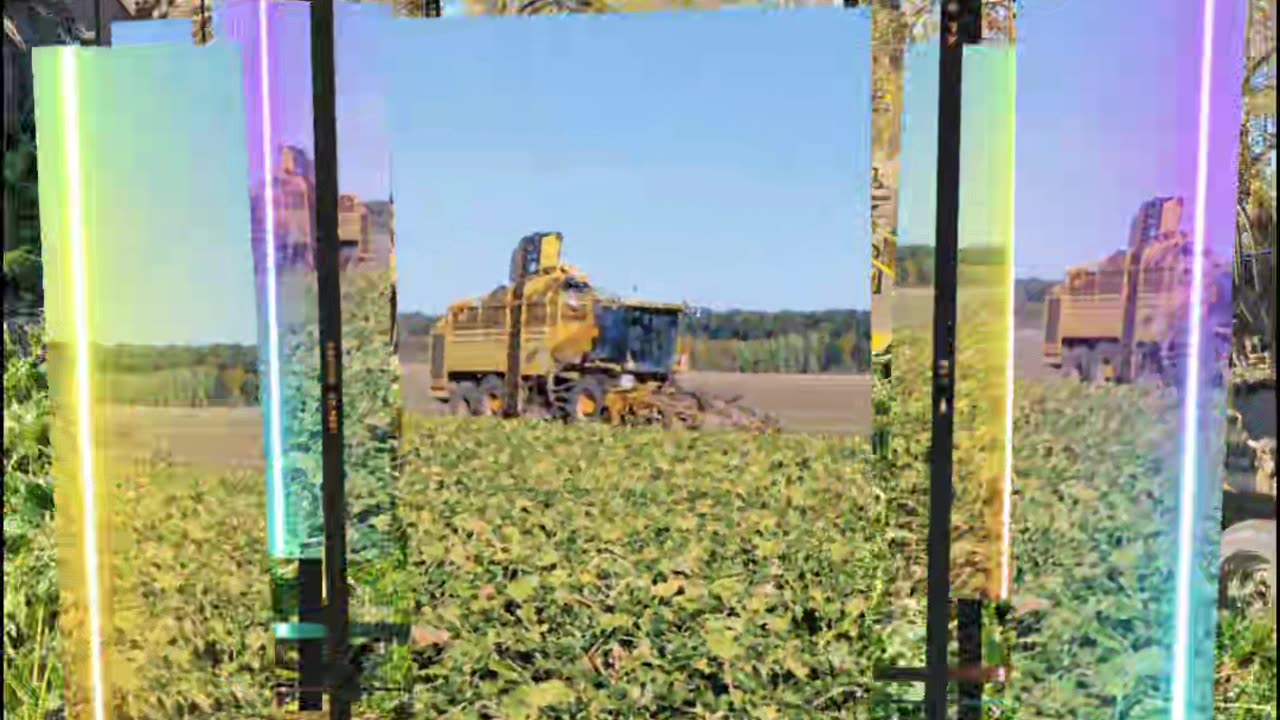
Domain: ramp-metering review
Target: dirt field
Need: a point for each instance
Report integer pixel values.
(804, 403)
(219, 437)
(205, 438)
(913, 307)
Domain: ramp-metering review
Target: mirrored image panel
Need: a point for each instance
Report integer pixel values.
(154, 376)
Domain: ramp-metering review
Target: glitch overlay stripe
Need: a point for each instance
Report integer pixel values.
(144, 233)
(145, 229)
(986, 285)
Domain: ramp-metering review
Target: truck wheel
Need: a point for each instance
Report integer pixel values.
(1077, 363)
(493, 396)
(1146, 366)
(1249, 546)
(1089, 364)
(463, 398)
(585, 400)
(1107, 362)
(1067, 369)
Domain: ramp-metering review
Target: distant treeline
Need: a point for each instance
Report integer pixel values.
(785, 341)
(915, 262)
(146, 358)
(915, 269)
(749, 341)
(178, 375)
(416, 324)
(1033, 289)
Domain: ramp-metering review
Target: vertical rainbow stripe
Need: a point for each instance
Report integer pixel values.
(141, 200)
(131, 223)
(273, 39)
(65, 241)
(986, 292)
(1218, 101)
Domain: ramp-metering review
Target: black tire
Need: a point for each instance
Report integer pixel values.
(1146, 366)
(1107, 362)
(585, 401)
(1076, 363)
(464, 397)
(1089, 364)
(1247, 546)
(536, 402)
(492, 396)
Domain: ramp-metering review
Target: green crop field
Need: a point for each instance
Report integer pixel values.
(574, 571)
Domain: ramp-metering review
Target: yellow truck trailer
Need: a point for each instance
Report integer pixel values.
(574, 344)
(1126, 317)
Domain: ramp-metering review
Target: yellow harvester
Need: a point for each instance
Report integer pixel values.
(1126, 317)
(571, 344)
(549, 344)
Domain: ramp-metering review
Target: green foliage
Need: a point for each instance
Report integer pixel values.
(647, 574)
(174, 387)
(1246, 677)
(748, 325)
(1093, 516)
(415, 324)
(152, 358)
(191, 604)
(578, 571)
(22, 262)
(33, 678)
(810, 352)
(178, 376)
(371, 406)
(914, 268)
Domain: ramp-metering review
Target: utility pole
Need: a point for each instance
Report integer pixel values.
(961, 25)
(340, 679)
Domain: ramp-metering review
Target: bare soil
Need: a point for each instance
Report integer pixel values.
(215, 438)
(913, 308)
(232, 437)
(804, 403)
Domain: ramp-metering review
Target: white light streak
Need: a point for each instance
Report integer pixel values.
(78, 244)
(276, 442)
(1182, 650)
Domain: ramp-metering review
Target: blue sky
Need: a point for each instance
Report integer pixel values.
(716, 158)
(157, 277)
(1107, 110)
(730, 167)
(1108, 103)
(723, 158)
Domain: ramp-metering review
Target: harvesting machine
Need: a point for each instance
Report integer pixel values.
(1125, 319)
(549, 344)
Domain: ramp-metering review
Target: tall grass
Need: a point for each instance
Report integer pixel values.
(33, 677)
(652, 553)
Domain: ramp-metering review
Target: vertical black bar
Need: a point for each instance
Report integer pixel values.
(324, 111)
(960, 24)
(1275, 317)
(98, 38)
(969, 630)
(1133, 265)
(311, 652)
(515, 330)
